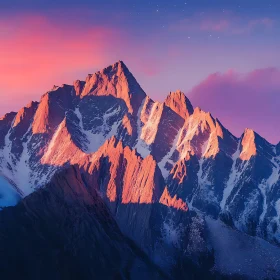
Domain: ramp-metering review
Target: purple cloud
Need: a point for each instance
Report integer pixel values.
(242, 101)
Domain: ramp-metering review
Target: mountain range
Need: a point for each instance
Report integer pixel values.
(113, 184)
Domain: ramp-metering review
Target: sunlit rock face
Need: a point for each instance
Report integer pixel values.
(248, 145)
(130, 178)
(52, 108)
(179, 103)
(174, 202)
(167, 152)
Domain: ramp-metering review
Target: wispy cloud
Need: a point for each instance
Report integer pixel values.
(226, 22)
(254, 24)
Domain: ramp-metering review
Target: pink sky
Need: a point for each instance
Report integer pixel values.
(36, 54)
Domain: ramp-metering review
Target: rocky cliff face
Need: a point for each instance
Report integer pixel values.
(139, 153)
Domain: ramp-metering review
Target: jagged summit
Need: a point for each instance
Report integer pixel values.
(119, 66)
(179, 103)
(115, 80)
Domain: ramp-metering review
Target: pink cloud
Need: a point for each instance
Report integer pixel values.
(249, 100)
